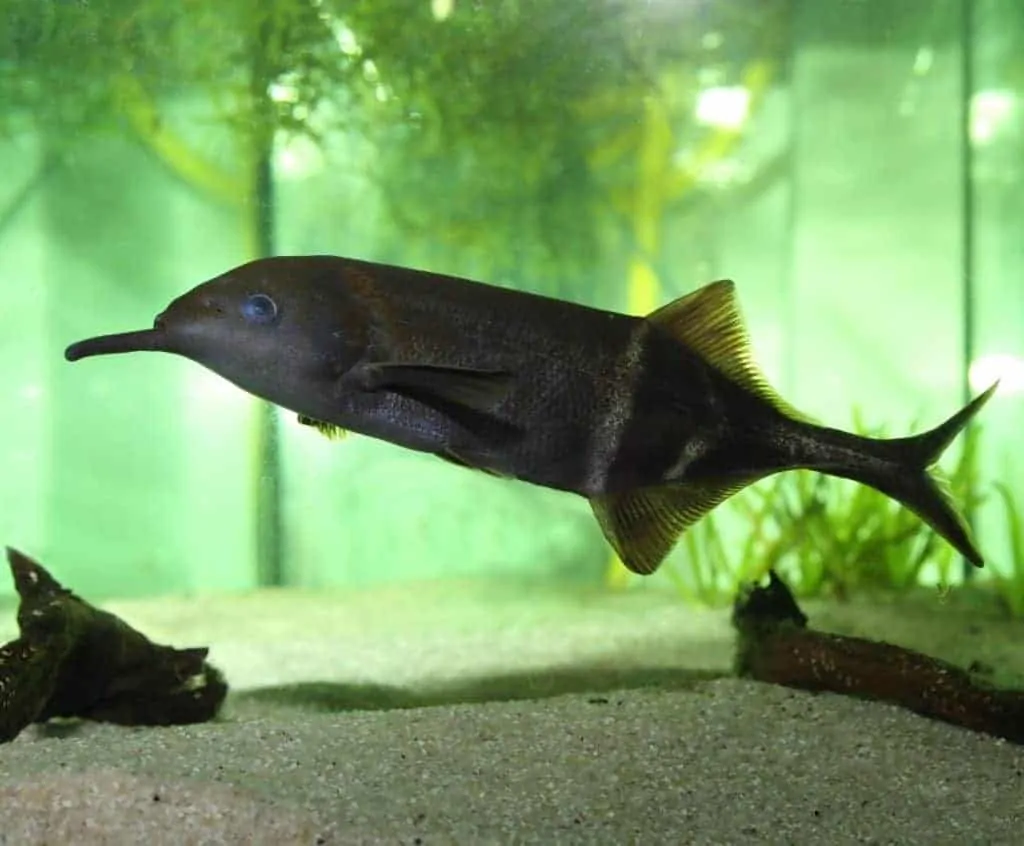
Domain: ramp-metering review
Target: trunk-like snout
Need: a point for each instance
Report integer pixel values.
(123, 342)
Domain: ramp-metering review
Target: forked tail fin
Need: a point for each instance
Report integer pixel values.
(914, 484)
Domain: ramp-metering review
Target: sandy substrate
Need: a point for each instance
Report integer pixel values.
(505, 713)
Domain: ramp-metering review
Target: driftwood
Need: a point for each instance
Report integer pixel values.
(74, 660)
(776, 646)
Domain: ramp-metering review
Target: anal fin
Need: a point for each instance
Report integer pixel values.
(644, 525)
(328, 429)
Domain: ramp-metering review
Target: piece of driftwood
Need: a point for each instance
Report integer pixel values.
(776, 646)
(74, 660)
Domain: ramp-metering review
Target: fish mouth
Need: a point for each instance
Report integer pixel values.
(141, 340)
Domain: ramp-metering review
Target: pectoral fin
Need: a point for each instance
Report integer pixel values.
(643, 525)
(328, 429)
(479, 390)
(468, 396)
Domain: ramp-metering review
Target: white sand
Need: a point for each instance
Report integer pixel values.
(711, 762)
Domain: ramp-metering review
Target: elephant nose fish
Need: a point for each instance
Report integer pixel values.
(656, 420)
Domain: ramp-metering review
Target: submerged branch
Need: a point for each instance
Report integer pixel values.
(73, 660)
(775, 646)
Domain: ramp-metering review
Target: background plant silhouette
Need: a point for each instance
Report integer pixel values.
(507, 132)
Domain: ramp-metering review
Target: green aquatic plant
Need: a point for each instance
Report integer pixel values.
(502, 138)
(1009, 582)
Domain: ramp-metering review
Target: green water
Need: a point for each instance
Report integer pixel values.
(856, 167)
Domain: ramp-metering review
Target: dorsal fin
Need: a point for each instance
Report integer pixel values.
(708, 321)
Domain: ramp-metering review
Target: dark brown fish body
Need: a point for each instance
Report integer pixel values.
(539, 426)
(561, 418)
(655, 420)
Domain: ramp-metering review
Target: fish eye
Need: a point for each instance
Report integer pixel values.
(259, 308)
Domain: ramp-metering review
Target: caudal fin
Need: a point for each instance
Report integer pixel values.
(922, 490)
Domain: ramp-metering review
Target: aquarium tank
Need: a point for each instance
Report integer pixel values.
(855, 166)
(220, 625)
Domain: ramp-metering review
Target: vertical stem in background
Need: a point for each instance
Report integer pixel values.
(269, 527)
(260, 231)
(655, 156)
(790, 346)
(967, 217)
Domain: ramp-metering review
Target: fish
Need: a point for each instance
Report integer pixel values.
(654, 419)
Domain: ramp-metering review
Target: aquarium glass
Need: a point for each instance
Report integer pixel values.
(854, 165)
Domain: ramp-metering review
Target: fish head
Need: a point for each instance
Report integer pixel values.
(278, 328)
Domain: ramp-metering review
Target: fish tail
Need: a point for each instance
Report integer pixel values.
(643, 525)
(903, 469)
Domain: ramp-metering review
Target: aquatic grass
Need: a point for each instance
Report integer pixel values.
(708, 563)
(1010, 585)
